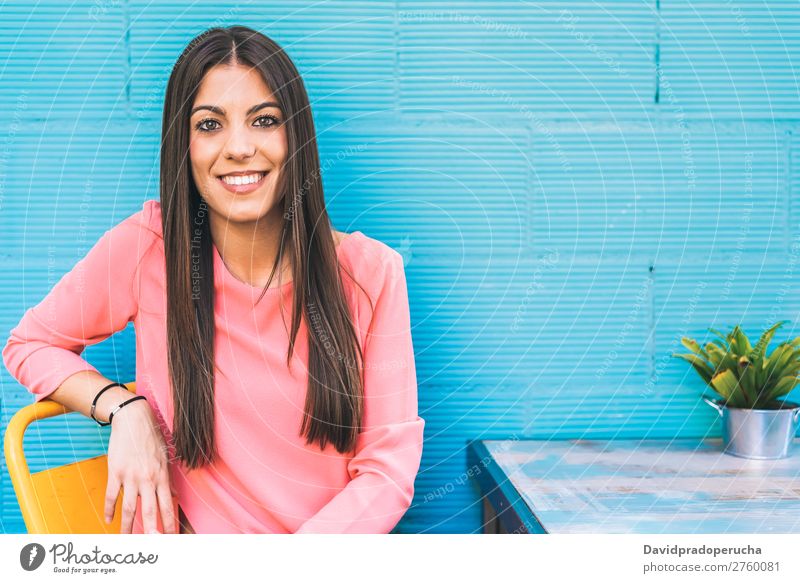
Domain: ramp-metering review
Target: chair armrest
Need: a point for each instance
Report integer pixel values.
(13, 443)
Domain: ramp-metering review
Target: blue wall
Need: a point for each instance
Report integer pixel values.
(574, 185)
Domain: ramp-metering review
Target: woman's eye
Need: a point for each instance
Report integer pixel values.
(203, 125)
(268, 121)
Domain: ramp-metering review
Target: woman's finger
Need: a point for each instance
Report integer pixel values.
(112, 493)
(149, 510)
(129, 495)
(164, 493)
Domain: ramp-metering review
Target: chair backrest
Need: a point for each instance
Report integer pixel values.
(68, 499)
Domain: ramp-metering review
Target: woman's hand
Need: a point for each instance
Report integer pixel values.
(138, 462)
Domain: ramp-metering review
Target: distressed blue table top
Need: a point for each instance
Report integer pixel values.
(651, 486)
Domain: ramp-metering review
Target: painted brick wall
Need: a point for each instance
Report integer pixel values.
(574, 185)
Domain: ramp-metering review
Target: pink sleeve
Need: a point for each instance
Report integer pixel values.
(88, 304)
(389, 448)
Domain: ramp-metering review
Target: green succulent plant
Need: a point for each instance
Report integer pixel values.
(743, 374)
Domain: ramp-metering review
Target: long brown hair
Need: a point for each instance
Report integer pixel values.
(334, 401)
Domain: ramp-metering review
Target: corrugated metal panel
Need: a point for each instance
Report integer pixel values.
(69, 186)
(537, 59)
(543, 323)
(794, 190)
(63, 60)
(667, 191)
(430, 191)
(736, 59)
(563, 217)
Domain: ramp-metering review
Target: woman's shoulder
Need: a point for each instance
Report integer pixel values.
(144, 223)
(373, 263)
(135, 235)
(150, 217)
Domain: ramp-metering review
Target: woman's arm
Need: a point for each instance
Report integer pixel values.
(95, 299)
(389, 447)
(43, 352)
(77, 392)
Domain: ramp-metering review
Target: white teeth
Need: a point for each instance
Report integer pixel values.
(239, 180)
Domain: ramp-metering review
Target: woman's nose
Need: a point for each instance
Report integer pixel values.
(240, 145)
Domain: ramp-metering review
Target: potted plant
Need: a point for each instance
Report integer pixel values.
(756, 422)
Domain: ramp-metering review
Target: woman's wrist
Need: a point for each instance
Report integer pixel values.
(109, 401)
(125, 403)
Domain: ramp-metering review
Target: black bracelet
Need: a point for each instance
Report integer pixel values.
(121, 405)
(97, 396)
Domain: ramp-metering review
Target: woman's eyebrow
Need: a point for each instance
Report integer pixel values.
(262, 105)
(221, 111)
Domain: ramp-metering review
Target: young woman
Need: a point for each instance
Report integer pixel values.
(273, 353)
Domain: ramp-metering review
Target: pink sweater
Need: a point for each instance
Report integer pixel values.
(266, 479)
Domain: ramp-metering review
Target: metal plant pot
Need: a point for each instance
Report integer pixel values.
(762, 434)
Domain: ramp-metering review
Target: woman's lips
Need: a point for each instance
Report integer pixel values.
(243, 188)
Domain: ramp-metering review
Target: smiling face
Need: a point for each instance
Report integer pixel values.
(237, 145)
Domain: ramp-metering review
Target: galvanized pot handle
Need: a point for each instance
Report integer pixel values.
(715, 405)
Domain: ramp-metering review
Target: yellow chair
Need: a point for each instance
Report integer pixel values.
(68, 499)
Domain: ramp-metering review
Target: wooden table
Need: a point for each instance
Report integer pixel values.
(632, 486)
